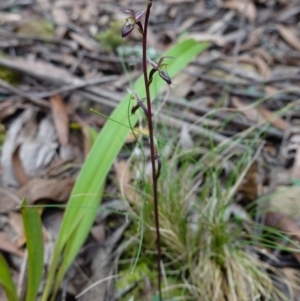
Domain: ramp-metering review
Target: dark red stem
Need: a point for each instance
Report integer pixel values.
(152, 147)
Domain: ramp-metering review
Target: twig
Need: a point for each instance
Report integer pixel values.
(23, 94)
(76, 86)
(196, 129)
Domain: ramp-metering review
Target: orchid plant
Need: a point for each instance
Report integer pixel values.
(134, 20)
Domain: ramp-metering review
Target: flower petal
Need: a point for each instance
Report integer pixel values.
(153, 64)
(133, 93)
(127, 29)
(128, 11)
(164, 58)
(138, 16)
(165, 76)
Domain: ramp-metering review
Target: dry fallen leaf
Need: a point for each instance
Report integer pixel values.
(8, 108)
(259, 114)
(60, 118)
(244, 7)
(98, 232)
(85, 42)
(285, 224)
(252, 40)
(8, 246)
(286, 200)
(206, 37)
(40, 69)
(270, 90)
(186, 141)
(123, 177)
(18, 167)
(177, 1)
(61, 19)
(38, 148)
(137, 132)
(35, 190)
(262, 67)
(289, 35)
(248, 190)
(296, 166)
(250, 112)
(276, 121)
(90, 11)
(16, 221)
(24, 122)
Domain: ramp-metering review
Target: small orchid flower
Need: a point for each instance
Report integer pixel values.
(135, 18)
(139, 101)
(160, 68)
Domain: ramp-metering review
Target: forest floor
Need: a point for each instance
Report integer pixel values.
(61, 58)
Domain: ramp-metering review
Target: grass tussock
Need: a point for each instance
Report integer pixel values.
(208, 252)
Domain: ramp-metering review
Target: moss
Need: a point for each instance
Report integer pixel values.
(10, 76)
(111, 38)
(136, 278)
(40, 28)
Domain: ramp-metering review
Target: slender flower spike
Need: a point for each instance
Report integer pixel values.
(160, 68)
(134, 18)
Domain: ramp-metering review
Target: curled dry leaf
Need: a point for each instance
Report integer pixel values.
(20, 124)
(18, 167)
(35, 190)
(39, 150)
(8, 108)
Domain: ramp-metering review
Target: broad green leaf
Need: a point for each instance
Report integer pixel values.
(6, 281)
(87, 192)
(34, 242)
(75, 242)
(93, 135)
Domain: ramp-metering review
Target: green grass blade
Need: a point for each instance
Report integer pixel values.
(34, 242)
(6, 281)
(88, 188)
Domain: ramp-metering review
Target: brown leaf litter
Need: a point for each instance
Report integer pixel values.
(247, 82)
